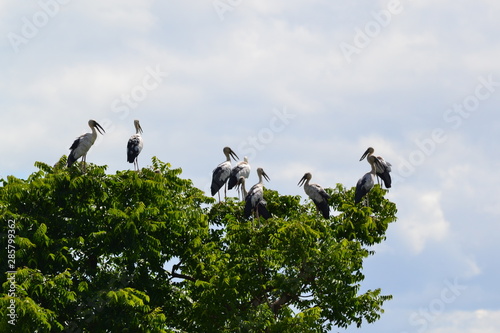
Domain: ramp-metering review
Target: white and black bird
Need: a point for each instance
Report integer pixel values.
(383, 168)
(317, 194)
(254, 200)
(134, 145)
(82, 144)
(221, 173)
(242, 169)
(366, 183)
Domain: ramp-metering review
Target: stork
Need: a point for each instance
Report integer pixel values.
(255, 198)
(242, 169)
(366, 183)
(82, 144)
(134, 145)
(383, 167)
(317, 195)
(222, 171)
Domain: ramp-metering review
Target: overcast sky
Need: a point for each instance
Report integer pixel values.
(296, 86)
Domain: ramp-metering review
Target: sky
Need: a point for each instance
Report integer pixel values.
(297, 86)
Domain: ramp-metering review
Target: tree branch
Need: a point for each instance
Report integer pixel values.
(305, 277)
(182, 276)
(174, 274)
(278, 304)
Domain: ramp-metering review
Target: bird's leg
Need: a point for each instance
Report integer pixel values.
(84, 168)
(218, 193)
(225, 189)
(258, 216)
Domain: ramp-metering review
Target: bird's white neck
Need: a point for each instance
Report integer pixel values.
(94, 134)
(243, 189)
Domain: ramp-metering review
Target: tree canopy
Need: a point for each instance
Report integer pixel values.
(149, 252)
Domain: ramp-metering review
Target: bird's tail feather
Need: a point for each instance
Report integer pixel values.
(263, 212)
(231, 182)
(248, 209)
(324, 209)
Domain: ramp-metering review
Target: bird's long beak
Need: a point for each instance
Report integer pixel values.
(302, 181)
(139, 128)
(365, 154)
(266, 177)
(233, 155)
(99, 128)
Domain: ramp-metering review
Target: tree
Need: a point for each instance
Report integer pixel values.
(149, 252)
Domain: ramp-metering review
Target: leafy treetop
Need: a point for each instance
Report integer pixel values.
(149, 252)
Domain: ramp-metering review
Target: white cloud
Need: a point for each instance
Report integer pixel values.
(115, 14)
(424, 220)
(478, 321)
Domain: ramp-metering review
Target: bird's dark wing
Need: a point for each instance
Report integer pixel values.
(133, 148)
(361, 189)
(248, 207)
(386, 177)
(233, 177)
(263, 212)
(217, 179)
(320, 199)
(325, 195)
(75, 143)
(323, 207)
(71, 157)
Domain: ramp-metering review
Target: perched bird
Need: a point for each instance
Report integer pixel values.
(82, 144)
(366, 183)
(134, 145)
(242, 169)
(255, 198)
(317, 195)
(383, 168)
(222, 171)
